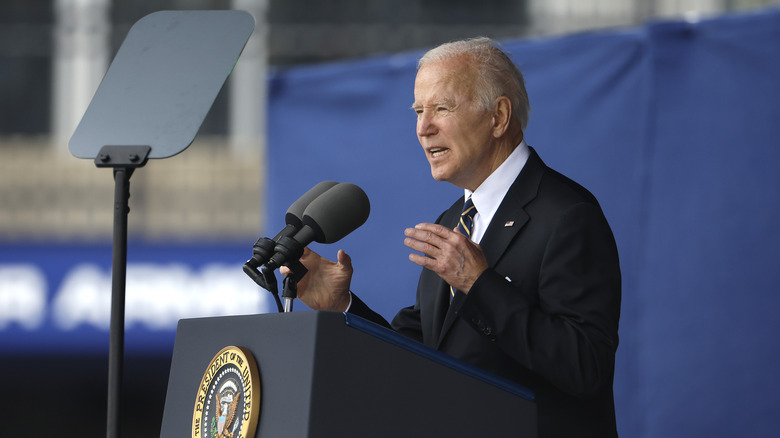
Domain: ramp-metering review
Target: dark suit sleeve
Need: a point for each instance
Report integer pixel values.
(566, 331)
(406, 322)
(360, 309)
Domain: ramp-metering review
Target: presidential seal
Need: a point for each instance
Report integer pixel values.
(228, 400)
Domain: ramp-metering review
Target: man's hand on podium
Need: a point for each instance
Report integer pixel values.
(326, 285)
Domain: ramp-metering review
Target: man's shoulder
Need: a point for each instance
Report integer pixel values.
(547, 184)
(564, 188)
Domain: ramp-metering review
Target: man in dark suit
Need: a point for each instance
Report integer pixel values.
(529, 286)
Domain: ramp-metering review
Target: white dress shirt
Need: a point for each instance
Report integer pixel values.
(492, 191)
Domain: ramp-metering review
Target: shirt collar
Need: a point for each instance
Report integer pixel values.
(491, 192)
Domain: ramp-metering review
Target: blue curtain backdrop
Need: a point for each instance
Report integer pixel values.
(674, 126)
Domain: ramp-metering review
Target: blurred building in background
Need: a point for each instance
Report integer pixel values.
(53, 55)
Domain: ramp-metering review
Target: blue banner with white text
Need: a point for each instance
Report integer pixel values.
(57, 298)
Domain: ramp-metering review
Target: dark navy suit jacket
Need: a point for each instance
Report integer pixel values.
(545, 313)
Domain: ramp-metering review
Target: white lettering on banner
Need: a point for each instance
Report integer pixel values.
(84, 298)
(22, 296)
(157, 295)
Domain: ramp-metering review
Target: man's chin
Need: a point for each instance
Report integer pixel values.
(439, 176)
(439, 172)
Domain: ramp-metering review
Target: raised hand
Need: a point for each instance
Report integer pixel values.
(450, 254)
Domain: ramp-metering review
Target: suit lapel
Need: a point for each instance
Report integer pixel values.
(509, 219)
(511, 216)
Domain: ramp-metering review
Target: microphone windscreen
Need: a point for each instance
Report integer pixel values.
(337, 212)
(294, 214)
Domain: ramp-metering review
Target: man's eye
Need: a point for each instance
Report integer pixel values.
(442, 109)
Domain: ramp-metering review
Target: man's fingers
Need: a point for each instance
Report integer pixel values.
(437, 229)
(433, 239)
(344, 259)
(306, 259)
(429, 233)
(420, 246)
(425, 262)
(434, 235)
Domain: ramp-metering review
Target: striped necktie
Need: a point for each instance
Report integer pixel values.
(465, 224)
(467, 218)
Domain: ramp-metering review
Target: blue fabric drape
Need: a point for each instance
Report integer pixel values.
(674, 126)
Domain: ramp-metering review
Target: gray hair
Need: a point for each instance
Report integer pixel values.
(497, 75)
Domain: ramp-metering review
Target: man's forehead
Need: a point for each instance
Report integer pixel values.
(442, 73)
(445, 89)
(455, 74)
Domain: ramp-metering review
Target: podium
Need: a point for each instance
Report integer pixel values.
(329, 374)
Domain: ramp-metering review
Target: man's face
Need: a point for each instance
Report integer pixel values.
(456, 135)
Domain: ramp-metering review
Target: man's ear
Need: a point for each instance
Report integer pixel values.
(502, 114)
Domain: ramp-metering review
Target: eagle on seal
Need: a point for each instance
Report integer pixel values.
(227, 403)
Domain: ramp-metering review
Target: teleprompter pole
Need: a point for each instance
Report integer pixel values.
(124, 160)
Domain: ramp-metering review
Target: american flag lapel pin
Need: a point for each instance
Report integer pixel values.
(509, 223)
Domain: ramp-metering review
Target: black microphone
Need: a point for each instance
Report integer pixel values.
(263, 249)
(327, 219)
(294, 215)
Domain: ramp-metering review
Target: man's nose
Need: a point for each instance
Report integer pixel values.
(425, 125)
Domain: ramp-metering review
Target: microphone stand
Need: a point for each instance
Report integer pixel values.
(290, 289)
(265, 278)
